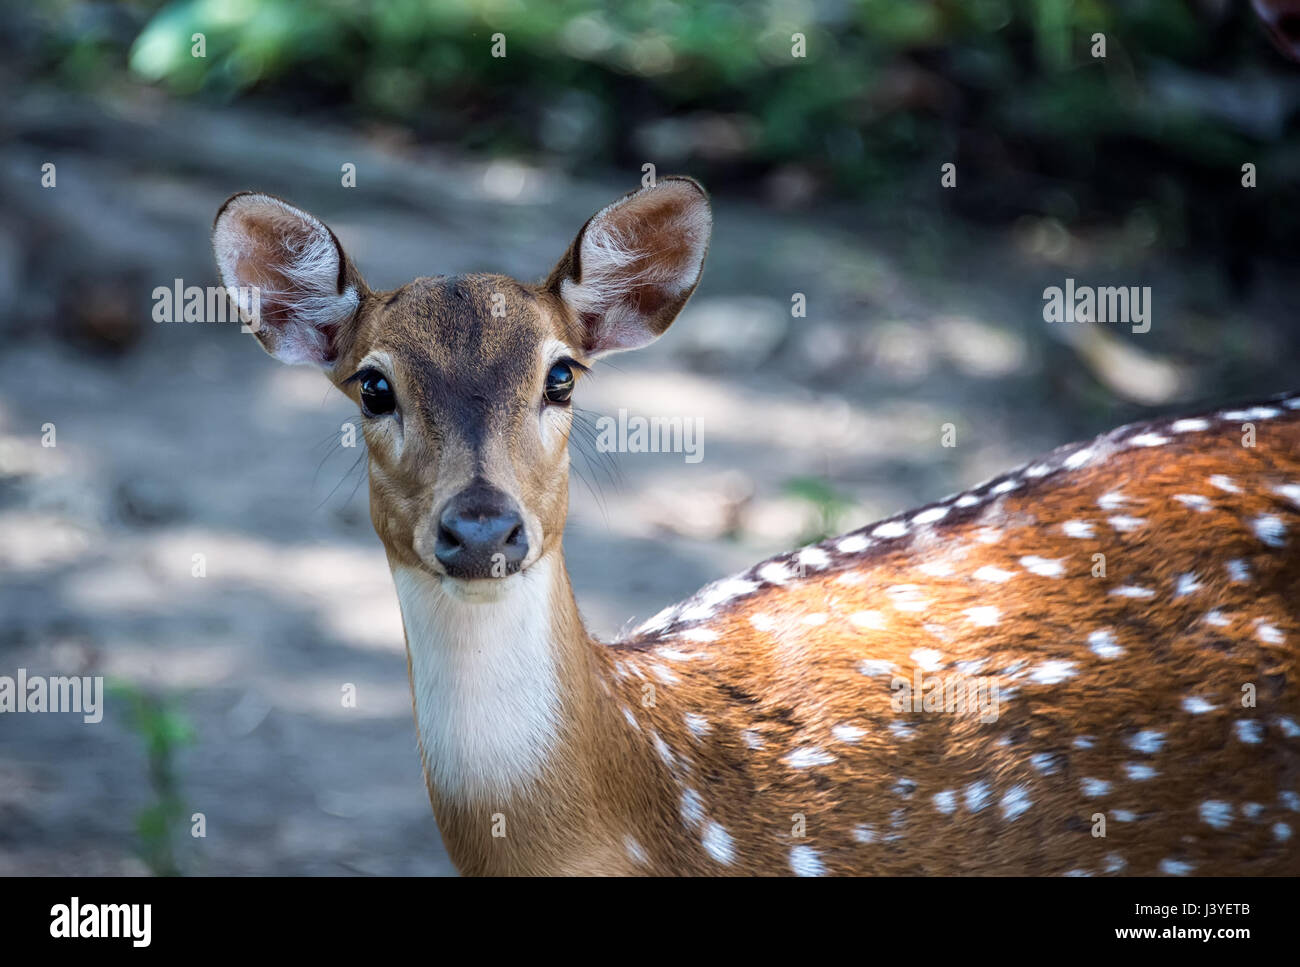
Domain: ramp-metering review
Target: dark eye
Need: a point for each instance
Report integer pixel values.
(376, 395)
(559, 383)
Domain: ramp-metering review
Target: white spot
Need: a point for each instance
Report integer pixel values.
(1196, 706)
(1290, 491)
(813, 557)
(1094, 787)
(703, 635)
(1288, 726)
(1175, 867)
(907, 597)
(985, 616)
(692, 808)
(1083, 742)
(1014, 802)
(977, 796)
(752, 739)
(1216, 618)
(936, 569)
(662, 673)
(1270, 529)
(875, 666)
(717, 843)
(1114, 863)
(1216, 813)
(967, 500)
(904, 788)
(1123, 815)
(927, 659)
(1238, 571)
(847, 733)
(1052, 672)
(1187, 583)
(805, 862)
(1194, 501)
(1289, 799)
(1269, 634)
(1252, 810)
(901, 730)
(1006, 486)
(1077, 528)
(1148, 440)
(1112, 500)
(893, 528)
(762, 622)
(1281, 832)
(631, 719)
(971, 666)
(806, 756)
(995, 574)
(634, 850)
(864, 834)
(1132, 591)
(698, 724)
(1148, 741)
(1044, 566)
(775, 572)
(1249, 731)
(853, 544)
(1103, 644)
(1126, 525)
(1139, 771)
(1077, 459)
(1224, 483)
(1044, 762)
(870, 620)
(930, 516)
(665, 753)
(1039, 470)
(946, 801)
(1076, 873)
(1189, 426)
(814, 620)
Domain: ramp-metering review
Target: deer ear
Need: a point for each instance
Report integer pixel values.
(634, 265)
(289, 277)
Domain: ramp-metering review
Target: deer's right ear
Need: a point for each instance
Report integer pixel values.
(289, 276)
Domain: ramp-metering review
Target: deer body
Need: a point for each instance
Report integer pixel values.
(1086, 666)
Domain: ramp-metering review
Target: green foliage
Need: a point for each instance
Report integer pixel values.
(887, 91)
(164, 730)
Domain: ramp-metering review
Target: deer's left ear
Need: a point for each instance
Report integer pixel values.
(634, 265)
(285, 269)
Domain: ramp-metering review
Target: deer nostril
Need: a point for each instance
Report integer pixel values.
(516, 535)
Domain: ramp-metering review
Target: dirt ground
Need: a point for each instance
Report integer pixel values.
(178, 439)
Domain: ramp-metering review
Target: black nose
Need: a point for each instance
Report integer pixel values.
(480, 534)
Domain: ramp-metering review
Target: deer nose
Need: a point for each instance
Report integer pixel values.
(480, 535)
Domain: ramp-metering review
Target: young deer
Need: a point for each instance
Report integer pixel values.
(1087, 665)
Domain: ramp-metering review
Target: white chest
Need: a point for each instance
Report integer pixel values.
(487, 697)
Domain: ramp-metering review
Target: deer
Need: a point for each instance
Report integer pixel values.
(1087, 665)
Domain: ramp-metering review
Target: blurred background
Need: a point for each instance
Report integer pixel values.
(924, 307)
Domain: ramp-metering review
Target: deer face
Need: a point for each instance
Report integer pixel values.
(464, 383)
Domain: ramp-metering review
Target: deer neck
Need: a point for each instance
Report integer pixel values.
(510, 713)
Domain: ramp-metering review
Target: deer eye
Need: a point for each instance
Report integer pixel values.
(559, 383)
(376, 394)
